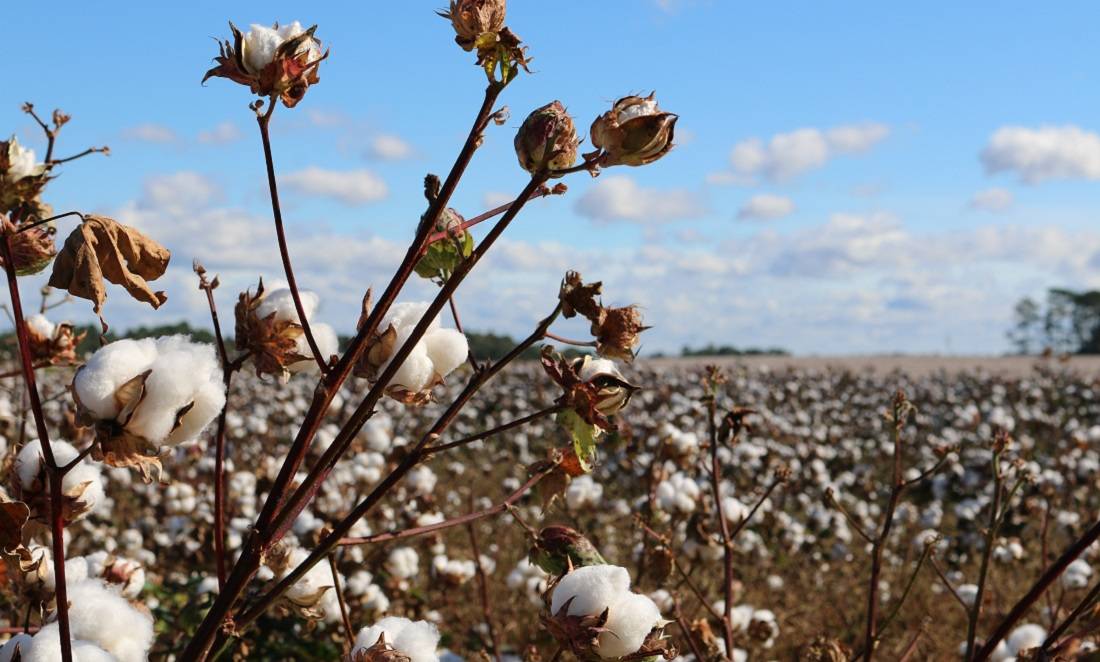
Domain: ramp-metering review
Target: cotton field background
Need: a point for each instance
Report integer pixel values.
(800, 568)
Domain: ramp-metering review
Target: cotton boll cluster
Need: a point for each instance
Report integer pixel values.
(416, 640)
(453, 571)
(82, 487)
(588, 591)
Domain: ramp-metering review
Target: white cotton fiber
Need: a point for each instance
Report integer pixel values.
(417, 370)
(1028, 635)
(46, 647)
(30, 460)
(110, 367)
(40, 325)
(281, 302)
(593, 589)
(183, 372)
(447, 348)
(593, 366)
(403, 562)
(98, 614)
(629, 620)
(416, 639)
(407, 314)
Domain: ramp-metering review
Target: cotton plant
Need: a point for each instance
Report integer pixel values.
(438, 353)
(144, 395)
(397, 638)
(594, 614)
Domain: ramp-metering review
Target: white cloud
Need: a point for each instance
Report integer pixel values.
(620, 198)
(992, 200)
(151, 133)
(226, 132)
(766, 207)
(351, 187)
(786, 155)
(179, 192)
(1048, 152)
(494, 199)
(389, 147)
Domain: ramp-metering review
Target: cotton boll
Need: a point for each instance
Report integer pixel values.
(110, 367)
(326, 338)
(416, 371)
(418, 640)
(447, 348)
(593, 588)
(103, 617)
(421, 480)
(1025, 637)
(968, 593)
(40, 325)
(629, 620)
(180, 372)
(85, 479)
(403, 562)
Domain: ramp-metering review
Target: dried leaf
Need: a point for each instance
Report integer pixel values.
(13, 517)
(101, 248)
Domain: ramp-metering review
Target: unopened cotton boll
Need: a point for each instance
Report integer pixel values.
(418, 640)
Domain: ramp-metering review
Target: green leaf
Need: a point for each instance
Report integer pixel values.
(585, 436)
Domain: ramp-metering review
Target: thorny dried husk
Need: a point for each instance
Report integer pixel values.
(578, 297)
(616, 330)
(380, 347)
(271, 344)
(288, 75)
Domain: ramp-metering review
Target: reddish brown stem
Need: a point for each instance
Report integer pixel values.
(56, 474)
(349, 631)
(569, 341)
(727, 539)
(483, 588)
(264, 121)
(511, 425)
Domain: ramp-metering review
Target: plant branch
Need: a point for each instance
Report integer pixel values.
(552, 409)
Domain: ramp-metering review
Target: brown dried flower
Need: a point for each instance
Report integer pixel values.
(278, 61)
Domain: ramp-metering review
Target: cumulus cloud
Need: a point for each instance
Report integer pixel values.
(992, 200)
(620, 198)
(1048, 152)
(493, 199)
(179, 191)
(224, 133)
(786, 155)
(766, 206)
(351, 187)
(151, 133)
(389, 147)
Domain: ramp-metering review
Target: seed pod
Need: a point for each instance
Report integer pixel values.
(547, 140)
(634, 132)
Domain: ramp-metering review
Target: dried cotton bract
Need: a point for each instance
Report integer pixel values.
(269, 330)
(145, 394)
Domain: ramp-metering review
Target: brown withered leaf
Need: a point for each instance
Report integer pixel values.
(102, 248)
(13, 517)
(579, 297)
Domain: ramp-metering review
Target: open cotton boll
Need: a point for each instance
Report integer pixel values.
(184, 372)
(110, 367)
(629, 621)
(417, 370)
(40, 325)
(84, 481)
(327, 344)
(418, 640)
(593, 588)
(1024, 637)
(98, 614)
(46, 647)
(447, 348)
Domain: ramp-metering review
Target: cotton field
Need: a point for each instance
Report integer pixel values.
(809, 472)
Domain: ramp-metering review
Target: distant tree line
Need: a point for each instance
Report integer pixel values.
(1067, 322)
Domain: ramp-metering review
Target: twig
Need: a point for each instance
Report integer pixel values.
(569, 341)
(504, 427)
(483, 588)
(349, 631)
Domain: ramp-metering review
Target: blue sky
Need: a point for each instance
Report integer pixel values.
(851, 178)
